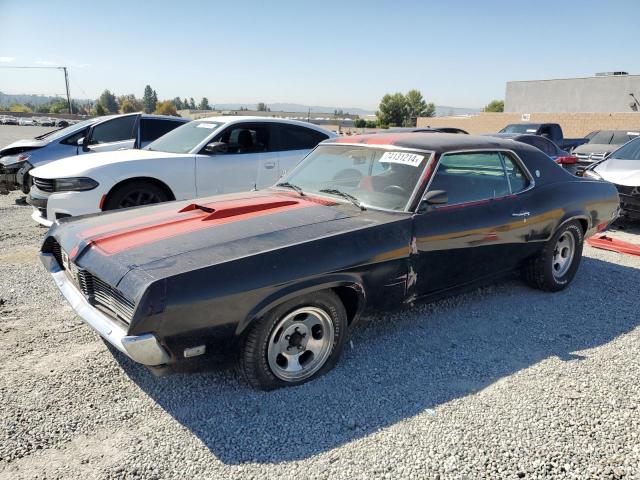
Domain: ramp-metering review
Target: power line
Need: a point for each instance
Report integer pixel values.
(66, 77)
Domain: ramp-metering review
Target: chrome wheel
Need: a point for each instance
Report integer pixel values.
(563, 254)
(300, 344)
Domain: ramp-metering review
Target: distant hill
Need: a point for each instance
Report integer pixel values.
(8, 99)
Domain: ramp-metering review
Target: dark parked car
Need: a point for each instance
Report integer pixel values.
(561, 157)
(362, 224)
(552, 131)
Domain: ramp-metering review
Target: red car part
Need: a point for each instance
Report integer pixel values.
(607, 243)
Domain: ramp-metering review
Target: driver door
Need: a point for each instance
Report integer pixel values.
(116, 134)
(236, 170)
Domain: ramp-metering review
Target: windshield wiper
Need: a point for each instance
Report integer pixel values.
(291, 186)
(348, 196)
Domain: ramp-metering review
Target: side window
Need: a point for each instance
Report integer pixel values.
(151, 129)
(293, 137)
(517, 179)
(73, 139)
(246, 138)
(114, 130)
(468, 177)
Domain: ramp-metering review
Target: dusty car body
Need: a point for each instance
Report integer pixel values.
(364, 223)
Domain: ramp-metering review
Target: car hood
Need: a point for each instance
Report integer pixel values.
(74, 166)
(21, 145)
(588, 148)
(620, 172)
(171, 238)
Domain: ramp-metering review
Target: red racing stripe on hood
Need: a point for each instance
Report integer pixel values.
(191, 219)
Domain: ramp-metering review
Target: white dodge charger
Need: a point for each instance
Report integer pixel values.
(211, 156)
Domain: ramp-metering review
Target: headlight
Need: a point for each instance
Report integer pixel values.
(77, 184)
(591, 174)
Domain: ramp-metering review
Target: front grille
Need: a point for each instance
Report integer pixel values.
(98, 293)
(44, 184)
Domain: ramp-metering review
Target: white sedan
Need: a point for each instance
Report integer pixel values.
(211, 156)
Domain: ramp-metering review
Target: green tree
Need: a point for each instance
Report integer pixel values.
(495, 106)
(99, 110)
(43, 108)
(204, 104)
(166, 108)
(417, 107)
(192, 104)
(178, 103)
(371, 124)
(392, 110)
(108, 102)
(18, 107)
(148, 102)
(262, 107)
(127, 107)
(360, 123)
(133, 102)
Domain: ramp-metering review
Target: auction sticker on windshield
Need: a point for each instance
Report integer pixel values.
(210, 126)
(403, 158)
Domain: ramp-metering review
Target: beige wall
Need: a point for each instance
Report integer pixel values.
(573, 124)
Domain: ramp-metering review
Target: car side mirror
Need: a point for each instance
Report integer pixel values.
(81, 141)
(216, 147)
(434, 197)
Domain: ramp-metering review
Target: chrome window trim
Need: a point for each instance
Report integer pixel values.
(514, 156)
(430, 154)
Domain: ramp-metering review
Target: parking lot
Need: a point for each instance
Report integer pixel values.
(502, 382)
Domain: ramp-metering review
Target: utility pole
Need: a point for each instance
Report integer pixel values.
(308, 115)
(66, 82)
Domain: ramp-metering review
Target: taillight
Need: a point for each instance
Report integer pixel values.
(567, 160)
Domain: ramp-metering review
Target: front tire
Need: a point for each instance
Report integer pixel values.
(295, 342)
(555, 266)
(135, 194)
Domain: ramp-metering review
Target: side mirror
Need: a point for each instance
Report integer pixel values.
(216, 147)
(434, 197)
(81, 141)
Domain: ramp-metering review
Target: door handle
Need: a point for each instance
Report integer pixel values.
(269, 165)
(521, 214)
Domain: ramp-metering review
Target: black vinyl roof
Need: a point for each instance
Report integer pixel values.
(438, 142)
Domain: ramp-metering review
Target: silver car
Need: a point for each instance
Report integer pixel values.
(113, 132)
(622, 168)
(602, 144)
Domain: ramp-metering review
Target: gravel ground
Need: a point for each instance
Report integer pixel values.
(502, 382)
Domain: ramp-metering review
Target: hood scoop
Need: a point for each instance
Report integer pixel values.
(188, 220)
(234, 211)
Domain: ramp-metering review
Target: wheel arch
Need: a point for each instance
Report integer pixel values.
(154, 181)
(349, 290)
(580, 217)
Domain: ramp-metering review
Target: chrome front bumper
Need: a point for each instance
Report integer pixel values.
(144, 349)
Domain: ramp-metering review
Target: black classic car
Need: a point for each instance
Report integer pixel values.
(363, 223)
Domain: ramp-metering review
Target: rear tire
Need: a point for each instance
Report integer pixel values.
(555, 266)
(295, 342)
(134, 194)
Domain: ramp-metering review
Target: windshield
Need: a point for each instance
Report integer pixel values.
(54, 135)
(630, 151)
(184, 138)
(376, 177)
(520, 128)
